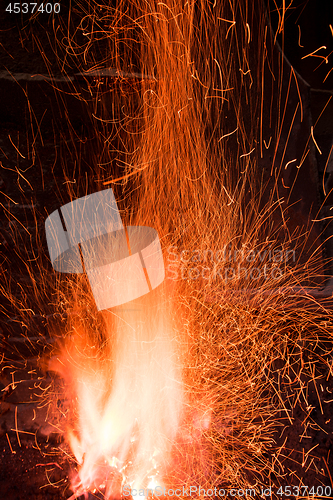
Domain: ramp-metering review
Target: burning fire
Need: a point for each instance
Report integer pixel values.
(128, 395)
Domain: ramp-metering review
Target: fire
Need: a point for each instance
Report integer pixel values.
(128, 394)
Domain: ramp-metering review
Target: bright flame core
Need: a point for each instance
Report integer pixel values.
(128, 394)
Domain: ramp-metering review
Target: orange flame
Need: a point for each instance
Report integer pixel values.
(128, 394)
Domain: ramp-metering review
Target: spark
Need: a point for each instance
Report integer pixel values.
(328, 470)
(16, 429)
(328, 74)
(326, 165)
(314, 140)
(233, 23)
(299, 36)
(269, 142)
(315, 52)
(230, 198)
(226, 135)
(247, 154)
(15, 147)
(24, 178)
(48, 464)
(248, 33)
(289, 162)
(15, 202)
(113, 181)
(10, 445)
